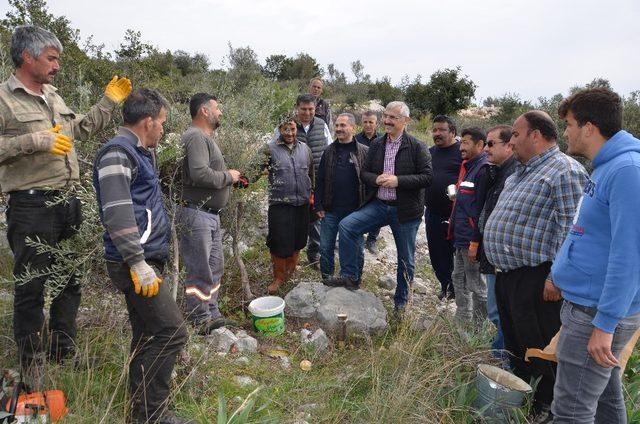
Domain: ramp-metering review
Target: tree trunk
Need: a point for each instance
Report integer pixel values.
(244, 276)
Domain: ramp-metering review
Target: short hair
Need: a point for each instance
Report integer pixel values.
(369, 113)
(350, 118)
(445, 119)
(404, 109)
(141, 104)
(34, 40)
(600, 106)
(198, 100)
(305, 98)
(504, 134)
(541, 121)
(316, 79)
(476, 133)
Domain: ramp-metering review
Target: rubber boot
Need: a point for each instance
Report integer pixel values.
(292, 263)
(279, 273)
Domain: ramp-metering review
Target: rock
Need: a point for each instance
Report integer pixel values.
(245, 381)
(243, 360)
(318, 341)
(421, 323)
(365, 313)
(285, 362)
(222, 339)
(304, 299)
(308, 407)
(387, 282)
(246, 343)
(420, 286)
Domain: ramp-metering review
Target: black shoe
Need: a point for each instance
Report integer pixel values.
(314, 262)
(371, 247)
(335, 281)
(352, 285)
(442, 294)
(206, 327)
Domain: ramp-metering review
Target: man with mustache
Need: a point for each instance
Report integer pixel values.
(446, 160)
(38, 164)
(471, 188)
(323, 110)
(205, 191)
(339, 190)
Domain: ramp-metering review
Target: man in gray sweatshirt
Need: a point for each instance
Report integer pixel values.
(205, 191)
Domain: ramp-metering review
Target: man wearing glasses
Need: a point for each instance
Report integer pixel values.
(397, 169)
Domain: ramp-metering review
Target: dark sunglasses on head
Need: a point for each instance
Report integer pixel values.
(491, 143)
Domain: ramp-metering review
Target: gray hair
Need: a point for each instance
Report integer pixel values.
(404, 109)
(350, 118)
(34, 40)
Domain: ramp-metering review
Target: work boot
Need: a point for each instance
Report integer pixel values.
(352, 285)
(334, 281)
(206, 327)
(371, 246)
(279, 273)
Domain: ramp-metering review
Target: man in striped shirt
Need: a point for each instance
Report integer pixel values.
(521, 238)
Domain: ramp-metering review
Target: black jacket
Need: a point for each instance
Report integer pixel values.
(412, 167)
(497, 176)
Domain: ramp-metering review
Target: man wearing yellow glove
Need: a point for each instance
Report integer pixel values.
(136, 244)
(38, 164)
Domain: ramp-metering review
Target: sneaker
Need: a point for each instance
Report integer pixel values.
(352, 285)
(371, 247)
(335, 281)
(206, 327)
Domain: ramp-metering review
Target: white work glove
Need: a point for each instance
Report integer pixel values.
(145, 280)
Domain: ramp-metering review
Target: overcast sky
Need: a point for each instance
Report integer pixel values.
(534, 48)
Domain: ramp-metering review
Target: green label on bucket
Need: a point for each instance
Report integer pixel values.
(269, 326)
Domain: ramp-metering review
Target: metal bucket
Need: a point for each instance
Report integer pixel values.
(500, 393)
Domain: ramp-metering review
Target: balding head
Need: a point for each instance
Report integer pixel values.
(534, 132)
(541, 121)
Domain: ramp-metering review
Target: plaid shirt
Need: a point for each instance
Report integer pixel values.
(534, 211)
(390, 151)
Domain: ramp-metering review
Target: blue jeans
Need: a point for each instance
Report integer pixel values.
(373, 215)
(584, 391)
(328, 235)
(492, 311)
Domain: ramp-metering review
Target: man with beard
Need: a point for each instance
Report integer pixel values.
(446, 166)
(38, 166)
(471, 188)
(205, 191)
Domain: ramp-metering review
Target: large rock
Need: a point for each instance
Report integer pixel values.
(365, 313)
(311, 300)
(303, 301)
(387, 282)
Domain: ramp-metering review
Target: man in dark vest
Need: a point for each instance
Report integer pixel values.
(339, 190)
(313, 132)
(471, 189)
(446, 160)
(365, 137)
(503, 163)
(136, 243)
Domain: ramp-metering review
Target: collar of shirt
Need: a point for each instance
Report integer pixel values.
(536, 161)
(14, 83)
(131, 136)
(394, 140)
(290, 146)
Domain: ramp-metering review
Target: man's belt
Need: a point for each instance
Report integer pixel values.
(34, 192)
(201, 208)
(389, 202)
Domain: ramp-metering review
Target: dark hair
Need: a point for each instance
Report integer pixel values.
(600, 106)
(539, 120)
(198, 100)
(34, 40)
(448, 121)
(369, 113)
(305, 98)
(143, 103)
(505, 132)
(476, 133)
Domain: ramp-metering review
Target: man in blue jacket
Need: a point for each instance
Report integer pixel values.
(471, 189)
(598, 266)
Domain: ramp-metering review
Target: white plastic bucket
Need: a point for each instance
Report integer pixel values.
(267, 314)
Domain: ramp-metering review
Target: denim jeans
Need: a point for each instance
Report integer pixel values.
(328, 235)
(376, 214)
(584, 391)
(492, 311)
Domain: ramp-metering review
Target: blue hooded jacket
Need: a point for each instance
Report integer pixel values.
(598, 264)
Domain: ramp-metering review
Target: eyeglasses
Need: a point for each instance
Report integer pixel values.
(393, 118)
(490, 144)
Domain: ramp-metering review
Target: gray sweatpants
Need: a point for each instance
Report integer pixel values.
(470, 288)
(200, 237)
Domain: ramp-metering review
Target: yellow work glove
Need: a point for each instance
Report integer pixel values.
(118, 89)
(61, 144)
(145, 281)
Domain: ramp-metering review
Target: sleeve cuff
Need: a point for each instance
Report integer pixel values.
(107, 103)
(605, 322)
